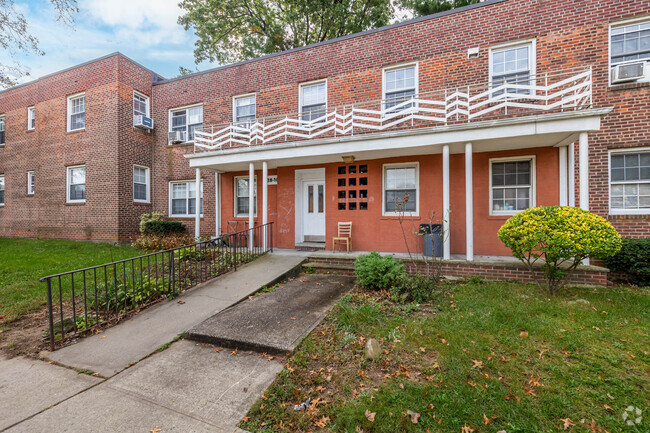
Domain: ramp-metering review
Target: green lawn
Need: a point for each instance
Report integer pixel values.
(483, 357)
(24, 261)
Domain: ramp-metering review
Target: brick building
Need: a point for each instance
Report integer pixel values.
(476, 113)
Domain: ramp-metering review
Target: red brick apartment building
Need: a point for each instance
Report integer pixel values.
(476, 113)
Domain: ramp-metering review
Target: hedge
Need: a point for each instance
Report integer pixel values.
(633, 260)
(162, 228)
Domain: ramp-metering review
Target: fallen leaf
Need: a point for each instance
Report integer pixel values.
(370, 415)
(466, 429)
(607, 407)
(592, 426)
(180, 301)
(155, 430)
(477, 364)
(322, 422)
(234, 352)
(443, 341)
(487, 420)
(523, 334)
(293, 318)
(246, 419)
(567, 423)
(414, 416)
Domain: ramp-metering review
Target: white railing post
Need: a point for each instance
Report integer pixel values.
(446, 238)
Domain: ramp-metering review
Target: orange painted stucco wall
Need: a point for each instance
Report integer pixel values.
(371, 230)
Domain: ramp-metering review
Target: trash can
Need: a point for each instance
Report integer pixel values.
(431, 239)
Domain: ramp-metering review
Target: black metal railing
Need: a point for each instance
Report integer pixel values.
(81, 300)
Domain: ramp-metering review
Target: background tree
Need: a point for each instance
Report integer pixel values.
(428, 7)
(15, 37)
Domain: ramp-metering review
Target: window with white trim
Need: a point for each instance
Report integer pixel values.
(2, 190)
(512, 64)
(76, 112)
(400, 187)
(140, 105)
(31, 118)
(31, 183)
(400, 85)
(630, 182)
(185, 121)
(313, 100)
(182, 198)
(76, 184)
(511, 185)
(141, 184)
(241, 196)
(630, 43)
(244, 109)
(2, 130)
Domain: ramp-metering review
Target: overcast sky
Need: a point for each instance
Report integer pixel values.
(144, 30)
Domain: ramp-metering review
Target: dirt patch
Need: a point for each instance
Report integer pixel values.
(25, 335)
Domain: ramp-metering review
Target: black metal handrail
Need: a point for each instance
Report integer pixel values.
(83, 299)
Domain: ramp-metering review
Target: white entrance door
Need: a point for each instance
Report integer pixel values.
(313, 210)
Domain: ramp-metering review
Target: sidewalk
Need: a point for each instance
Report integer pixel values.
(115, 349)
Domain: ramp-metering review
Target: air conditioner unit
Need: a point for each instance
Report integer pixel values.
(143, 122)
(176, 137)
(627, 72)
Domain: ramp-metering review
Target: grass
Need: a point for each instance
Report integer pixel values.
(483, 357)
(24, 261)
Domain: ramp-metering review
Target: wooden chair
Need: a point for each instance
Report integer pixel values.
(344, 236)
(232, 226)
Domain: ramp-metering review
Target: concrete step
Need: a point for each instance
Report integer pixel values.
(310, 246)
(342, 268)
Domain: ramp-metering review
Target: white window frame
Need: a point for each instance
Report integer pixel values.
(31, 118)
(70, 113)
(4, 190)
(234, 108)
(148, 183)
(532, 59)
(627, 22)
(3, 118)
(532, 202)
(147, 101)
(200, 198)
(31, 182)
(301, 86)
(244, 215)
(187, 124)
(384, 167)
(415, 65)
(67, 184)
(617, 211)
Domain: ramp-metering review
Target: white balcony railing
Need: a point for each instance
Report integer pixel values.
(544, 93)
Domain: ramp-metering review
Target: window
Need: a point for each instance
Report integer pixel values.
(630, 182)
(244, 110)
(31, 118)
(2, 130)
(513, 63)
(241, 196)
(76, 112)
(76, 184)
(2, 190)
(400, 85)
(183, 199)
(141, 182)
(630, 42)
(31, 182)
(313, 100)
(140, 105)
(400, 180)
(185, 121)
(511, 185)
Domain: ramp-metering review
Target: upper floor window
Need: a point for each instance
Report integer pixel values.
(31, 118)
(242, 194)
(140, 105)
(400, 85)
(141, 182)
(630, 42)
(182, 201)
(185, 121)
(244, 109)
(512, 63)
(630, 182)
(400, 182)
(511, 185)
(2, 130)
(2, 190)
(31, 183)
(313, 100)
(76, 184)
(76, 112)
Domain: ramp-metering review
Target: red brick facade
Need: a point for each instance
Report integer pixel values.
(567, 33)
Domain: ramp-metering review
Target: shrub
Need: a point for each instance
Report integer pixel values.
(160, 243)
(376, 272)
(633, 260)
(563, 237)
(146, 217)
(416, 288)
(162, 228)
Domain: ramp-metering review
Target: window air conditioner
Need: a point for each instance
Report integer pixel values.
(176, 137)
(627, 72)
(143, 122)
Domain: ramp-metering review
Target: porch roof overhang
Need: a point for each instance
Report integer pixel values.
(553, 129)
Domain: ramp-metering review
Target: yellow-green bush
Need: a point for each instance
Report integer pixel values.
(562, 236)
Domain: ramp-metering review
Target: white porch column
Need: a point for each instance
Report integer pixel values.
(572, 175)
(197, 208)
(251, 204)
(564, 198)
(446, 239)
(217, 200)
(265, 200)
(469, 204)
(583, 163)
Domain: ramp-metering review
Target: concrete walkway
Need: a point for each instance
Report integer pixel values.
(116, 348)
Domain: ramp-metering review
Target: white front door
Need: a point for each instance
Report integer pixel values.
(313, 210)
